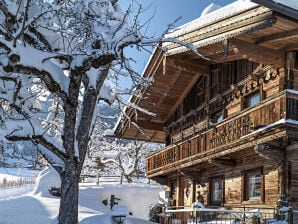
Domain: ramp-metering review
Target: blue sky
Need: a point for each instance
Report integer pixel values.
(165, 12)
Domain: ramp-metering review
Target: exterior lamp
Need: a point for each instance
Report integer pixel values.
(119, 214)
(119, 219)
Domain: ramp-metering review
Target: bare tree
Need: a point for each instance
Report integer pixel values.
(55, 57)
(112, 156)
(131, 159)
(108, 155)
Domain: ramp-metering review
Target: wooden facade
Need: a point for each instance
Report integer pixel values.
(229, 119)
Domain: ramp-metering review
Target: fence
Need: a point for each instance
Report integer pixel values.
(113, 179)
(218, 216)
(15, 183)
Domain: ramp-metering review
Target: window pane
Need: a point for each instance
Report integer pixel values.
(254, 100)
(216, 191)
(254, 186)
(219, 118)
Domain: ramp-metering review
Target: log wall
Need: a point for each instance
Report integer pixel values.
(232, 179)
(293, 188)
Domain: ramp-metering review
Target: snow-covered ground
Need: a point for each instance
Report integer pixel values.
(16, 173)
(33, 204)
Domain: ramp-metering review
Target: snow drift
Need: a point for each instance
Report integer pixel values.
(45, 180)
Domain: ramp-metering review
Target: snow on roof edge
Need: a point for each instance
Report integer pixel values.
(212, 17)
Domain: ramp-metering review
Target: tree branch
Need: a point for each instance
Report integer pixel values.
(25, 17)
(50, 83)
(40, 140)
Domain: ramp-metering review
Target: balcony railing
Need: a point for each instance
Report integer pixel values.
(207, 138)
(218, 216)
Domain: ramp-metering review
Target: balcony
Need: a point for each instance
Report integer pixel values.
(205, 141)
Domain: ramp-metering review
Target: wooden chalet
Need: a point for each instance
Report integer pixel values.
(228, 117)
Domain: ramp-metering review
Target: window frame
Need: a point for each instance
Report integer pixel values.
(247, 99)
(246, 198)
(218, 116)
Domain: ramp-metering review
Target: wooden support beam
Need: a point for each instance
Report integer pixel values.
(189, 65)
(289, 47)
(150, 125)
(191, 170)
(257, 53)
(271, 152)
(170, 84)
(277, 36)
(184, 93)
(223, 162)
(161, 180)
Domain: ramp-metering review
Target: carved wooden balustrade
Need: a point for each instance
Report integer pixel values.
(206, 139)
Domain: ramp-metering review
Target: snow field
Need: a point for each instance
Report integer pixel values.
(38, 206)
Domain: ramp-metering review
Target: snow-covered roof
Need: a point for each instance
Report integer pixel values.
(214, 13)
(208, 16)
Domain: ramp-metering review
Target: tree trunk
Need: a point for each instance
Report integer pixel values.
(128, 178)
(68, 213)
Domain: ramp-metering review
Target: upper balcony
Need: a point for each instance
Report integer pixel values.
(205, 141)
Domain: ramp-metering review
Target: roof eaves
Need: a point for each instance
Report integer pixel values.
(239, 24)
(280, 8)
(216, 16)
(122, 121)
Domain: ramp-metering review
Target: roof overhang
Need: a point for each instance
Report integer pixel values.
(173, 77)
(258, 34)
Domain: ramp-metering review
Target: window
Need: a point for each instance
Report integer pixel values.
(218, 117)
(253, 185)
(216, 191)
(252, 100)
